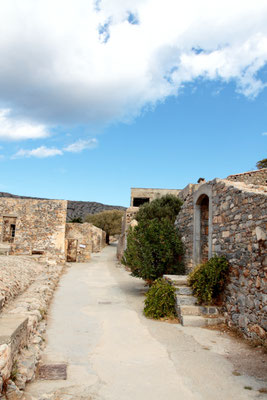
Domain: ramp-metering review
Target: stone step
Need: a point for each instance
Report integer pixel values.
(185, 300)
(197, 321)
(13, 331)
(183, 290)
(4, 249)
(176, 280)
(198, 310)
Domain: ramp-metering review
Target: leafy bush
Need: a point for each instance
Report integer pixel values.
(166, 207)
(154, 248)
(160, 300)
(208, 280)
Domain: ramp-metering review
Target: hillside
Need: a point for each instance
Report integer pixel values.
(76, 209)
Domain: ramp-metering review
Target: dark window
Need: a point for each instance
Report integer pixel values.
(12, 229)
(139, 201)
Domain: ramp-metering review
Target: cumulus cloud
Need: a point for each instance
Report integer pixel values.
(92, 61)
(81, 145)
(12, 128)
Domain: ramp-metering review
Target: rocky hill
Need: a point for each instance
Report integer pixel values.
(76, 209)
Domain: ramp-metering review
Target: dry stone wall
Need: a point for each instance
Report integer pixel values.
(258, 177)
(39, 225)
(127, 220)
(82, 233)
(238, 224)
(98, 239)
(239, 232)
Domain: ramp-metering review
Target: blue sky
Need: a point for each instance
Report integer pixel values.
(89, 120)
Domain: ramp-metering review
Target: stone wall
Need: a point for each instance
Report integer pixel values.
(184, 222)
(82, 234)
(258, 177)
(237, 229)
(39, 225)
(127, 220)
(87, 239)
(98, 239)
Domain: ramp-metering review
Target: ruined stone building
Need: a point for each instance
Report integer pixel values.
(33, 226)
(227, 217)
(82, 240)
(38, 227)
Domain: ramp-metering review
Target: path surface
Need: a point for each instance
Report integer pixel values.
(114, 353)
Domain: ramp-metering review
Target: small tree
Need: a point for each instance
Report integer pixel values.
(109, 221)
(262, 164)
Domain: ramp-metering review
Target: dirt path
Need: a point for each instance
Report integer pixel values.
(114, 353)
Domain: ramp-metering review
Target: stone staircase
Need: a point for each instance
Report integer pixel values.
(188, 311)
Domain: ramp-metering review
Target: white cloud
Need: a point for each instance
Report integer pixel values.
(87, 61)
(40, 152)
(44, 152)
(81, 145)
(18, 129)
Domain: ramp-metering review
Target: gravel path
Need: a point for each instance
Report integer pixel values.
(113, 352)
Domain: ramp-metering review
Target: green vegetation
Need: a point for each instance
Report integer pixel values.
(109, 221)
(208, 280)
(14, 372)
(77, 220)
(160, 300)
(262, 164)
(154, 246)
(166, 207)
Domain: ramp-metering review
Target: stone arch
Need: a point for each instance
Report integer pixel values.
(202, 240)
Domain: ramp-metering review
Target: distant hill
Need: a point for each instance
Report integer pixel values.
(75, 209)
(82, 208)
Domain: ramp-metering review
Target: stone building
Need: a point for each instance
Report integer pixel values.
(38, 227)
(229, 217)
(30, 226)
(140, 196)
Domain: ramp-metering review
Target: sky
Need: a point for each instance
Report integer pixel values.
(98, 96)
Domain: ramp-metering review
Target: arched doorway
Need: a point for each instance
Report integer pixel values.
(203, 203)
(202, 243)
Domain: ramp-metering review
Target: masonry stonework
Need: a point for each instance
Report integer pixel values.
(81, 234)
(237, 229)
(258, 177)
(33, 226)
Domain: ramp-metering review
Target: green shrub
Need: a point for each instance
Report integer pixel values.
(166, 207)
(160, 300)
(208, 280)
(154, 248)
